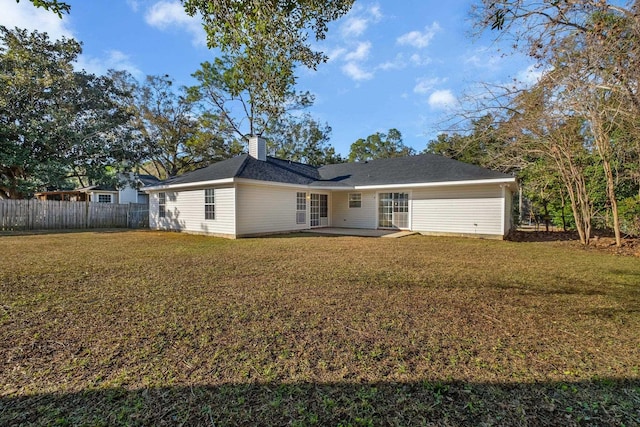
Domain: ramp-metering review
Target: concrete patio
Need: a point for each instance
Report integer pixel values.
(361, 232)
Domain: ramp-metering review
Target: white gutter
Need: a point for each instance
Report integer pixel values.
(188, 185)
(201, 184)
(437, 184)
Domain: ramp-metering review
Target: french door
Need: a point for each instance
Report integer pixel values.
(319, 210)
(393, 210)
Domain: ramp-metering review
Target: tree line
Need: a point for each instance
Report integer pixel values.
(573, 138)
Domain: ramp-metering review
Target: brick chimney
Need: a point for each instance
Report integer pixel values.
(258, 147)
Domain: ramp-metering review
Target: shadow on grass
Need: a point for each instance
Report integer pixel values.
(69, 231)
(602, 402)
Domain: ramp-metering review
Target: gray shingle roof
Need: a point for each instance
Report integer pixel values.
(425, 168)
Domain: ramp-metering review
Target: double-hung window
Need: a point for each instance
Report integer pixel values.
(162, 205)
(301, 208)
(355, 200)
(209, 204)
(104, 198)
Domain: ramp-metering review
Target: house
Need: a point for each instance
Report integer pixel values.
(253, 194)
(122, 194)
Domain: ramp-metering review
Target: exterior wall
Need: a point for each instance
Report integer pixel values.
(508, 211)
(94, 196)
(143, 198)
(265, 209)
(363, 217)
(467, 210)
(185, 212)
(128, 195)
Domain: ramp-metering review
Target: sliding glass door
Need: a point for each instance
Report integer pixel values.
(393, 210)
(319, 210)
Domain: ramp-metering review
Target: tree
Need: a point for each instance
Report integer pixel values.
(302, 139)
(55, 123)
(595, 46)
(176, 137)
(379, 146)
(272, 35)
(548, 141)
(55, 6)
(262, 43)
(482, 145)
(231, 96)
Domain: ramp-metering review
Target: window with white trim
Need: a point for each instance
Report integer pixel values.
(104, 198)
(355, 200)
(301, 208)
(162, 205)
(209, 204)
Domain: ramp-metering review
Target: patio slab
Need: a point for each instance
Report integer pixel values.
(362, 232)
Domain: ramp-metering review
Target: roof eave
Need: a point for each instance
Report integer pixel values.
(497, 181)
(187, 185)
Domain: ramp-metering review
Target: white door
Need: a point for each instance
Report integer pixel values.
(393, 210)
(319, 210)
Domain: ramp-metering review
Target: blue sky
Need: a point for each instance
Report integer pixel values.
(392, 64)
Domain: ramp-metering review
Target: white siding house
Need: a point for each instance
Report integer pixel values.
(263, 209)
(459, 210)
(254, 194)
(185, 211)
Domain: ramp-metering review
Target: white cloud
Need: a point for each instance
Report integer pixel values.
(355, 72)
(530, 75)
(358, 20)
(398, 63)
(335, 54)
(113, 60)
(424, 85)
(352, 52)
(361, 52)
(170, 14)
(375, 12)
(354, 27)
(484, 58)
(419, 60)
(134, 5)
(419, 39)
(25, 15)
(442, 99)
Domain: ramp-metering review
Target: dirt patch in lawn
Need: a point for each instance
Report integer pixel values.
(601, 241)
(149, 328)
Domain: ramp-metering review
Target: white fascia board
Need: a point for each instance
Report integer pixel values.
(198, 184)
(284, 184)
(437, 184)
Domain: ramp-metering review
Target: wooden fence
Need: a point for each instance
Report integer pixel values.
(34, 214)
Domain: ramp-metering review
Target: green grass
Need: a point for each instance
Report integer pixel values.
(149, 328)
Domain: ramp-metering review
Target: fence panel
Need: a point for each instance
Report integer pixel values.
(34, 214)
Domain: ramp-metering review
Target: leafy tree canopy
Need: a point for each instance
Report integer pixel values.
(302, 139)
(175, 136)
(231, 95)
(56, 123)
(262, 43)
(379, 146)
(55, 6)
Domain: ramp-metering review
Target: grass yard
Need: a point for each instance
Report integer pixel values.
(150, 328)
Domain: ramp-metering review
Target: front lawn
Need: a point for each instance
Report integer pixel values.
(152, 328)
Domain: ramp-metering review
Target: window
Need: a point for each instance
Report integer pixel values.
(301, 208)
(104, 198)
(393, 210)
(162, 205)
(209, 204)
(355, 200)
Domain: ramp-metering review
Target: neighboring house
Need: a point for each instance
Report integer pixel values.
(105, 194)
(253, 194)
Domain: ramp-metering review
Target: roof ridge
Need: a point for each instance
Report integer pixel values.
(242, 165)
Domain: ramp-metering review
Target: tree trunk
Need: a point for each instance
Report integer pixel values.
(603, 146)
